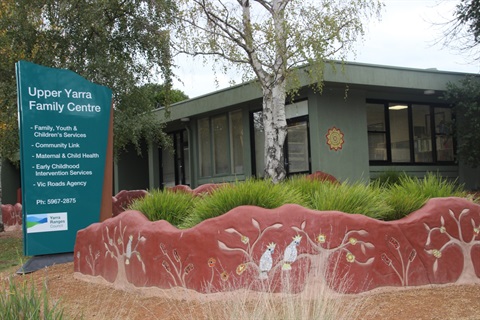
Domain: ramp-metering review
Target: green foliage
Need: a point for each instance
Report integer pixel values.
(133, 118)
(411, 193)
(388, 178)
(23, 301)
(10, 252)
(165, 205)
(465, 98)
(261, 193)
(379, 200)
(467, 12)
(115, 43)
(349, 198)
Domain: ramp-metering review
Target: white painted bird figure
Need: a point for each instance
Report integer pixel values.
(290, 254)
(128, 252)
(266, 261)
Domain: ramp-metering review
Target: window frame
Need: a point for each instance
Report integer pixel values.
(433, 134)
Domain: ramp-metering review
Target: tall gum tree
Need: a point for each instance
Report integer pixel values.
(269, 41)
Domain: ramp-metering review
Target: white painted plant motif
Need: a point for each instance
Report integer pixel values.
(91, 258)
(465, 241)
(401, 270)
(266, 261)
(290, 254)
(175, 267)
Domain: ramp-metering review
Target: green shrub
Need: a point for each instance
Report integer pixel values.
(411, 193)
(24, 302)
(261, 193)
(165, 205)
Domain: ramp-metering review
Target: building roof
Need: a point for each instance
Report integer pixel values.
(353, 74)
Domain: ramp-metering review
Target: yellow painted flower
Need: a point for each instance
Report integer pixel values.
(352, 241)
(321, 238)
(442, 229)
(437, 253)
(211, 262)
(244, 239)
(476, 230)
(224, 276)
(241, 268)
(350, 257)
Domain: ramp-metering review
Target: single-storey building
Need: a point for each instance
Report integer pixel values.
(368, 119)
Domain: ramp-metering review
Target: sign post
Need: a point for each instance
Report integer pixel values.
(64, 123)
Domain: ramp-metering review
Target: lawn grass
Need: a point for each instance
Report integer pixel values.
(11, 252)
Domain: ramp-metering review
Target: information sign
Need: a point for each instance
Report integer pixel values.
(64, 124)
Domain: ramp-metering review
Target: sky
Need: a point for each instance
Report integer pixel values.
(407, 36)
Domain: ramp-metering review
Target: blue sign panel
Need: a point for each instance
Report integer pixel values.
(64, 123)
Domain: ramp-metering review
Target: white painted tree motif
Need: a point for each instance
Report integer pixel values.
(403, 271)
(116, 248)
(15, 216)
(175, 267)
(349, 240)
(92, 259)
(465, 242)
(247, 247)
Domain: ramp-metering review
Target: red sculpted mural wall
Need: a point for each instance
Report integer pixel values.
(287, 248)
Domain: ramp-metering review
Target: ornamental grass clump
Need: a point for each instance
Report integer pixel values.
(389, 178)
(165, 205)
(255, 192)
(23, 301)
(313, 300)
(350, 198)
(411, 193)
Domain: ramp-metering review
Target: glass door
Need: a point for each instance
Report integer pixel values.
(174, 163)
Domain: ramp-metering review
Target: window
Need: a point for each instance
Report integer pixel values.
(409, 133)
(220, 141)
(296, 148)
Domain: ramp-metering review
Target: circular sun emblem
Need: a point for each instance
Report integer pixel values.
(335, 139)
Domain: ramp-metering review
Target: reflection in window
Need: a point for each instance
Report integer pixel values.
(422, 133)
(220, 145)
(168, 167)
(220, 141)
(399, 137)
(297, 145)
(236, 141)
(413, 133)
(377, 134)
(204, 147)
(443, 134)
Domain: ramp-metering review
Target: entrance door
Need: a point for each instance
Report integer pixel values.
(174, 164)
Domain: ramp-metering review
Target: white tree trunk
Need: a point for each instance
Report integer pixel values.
(275, 128)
